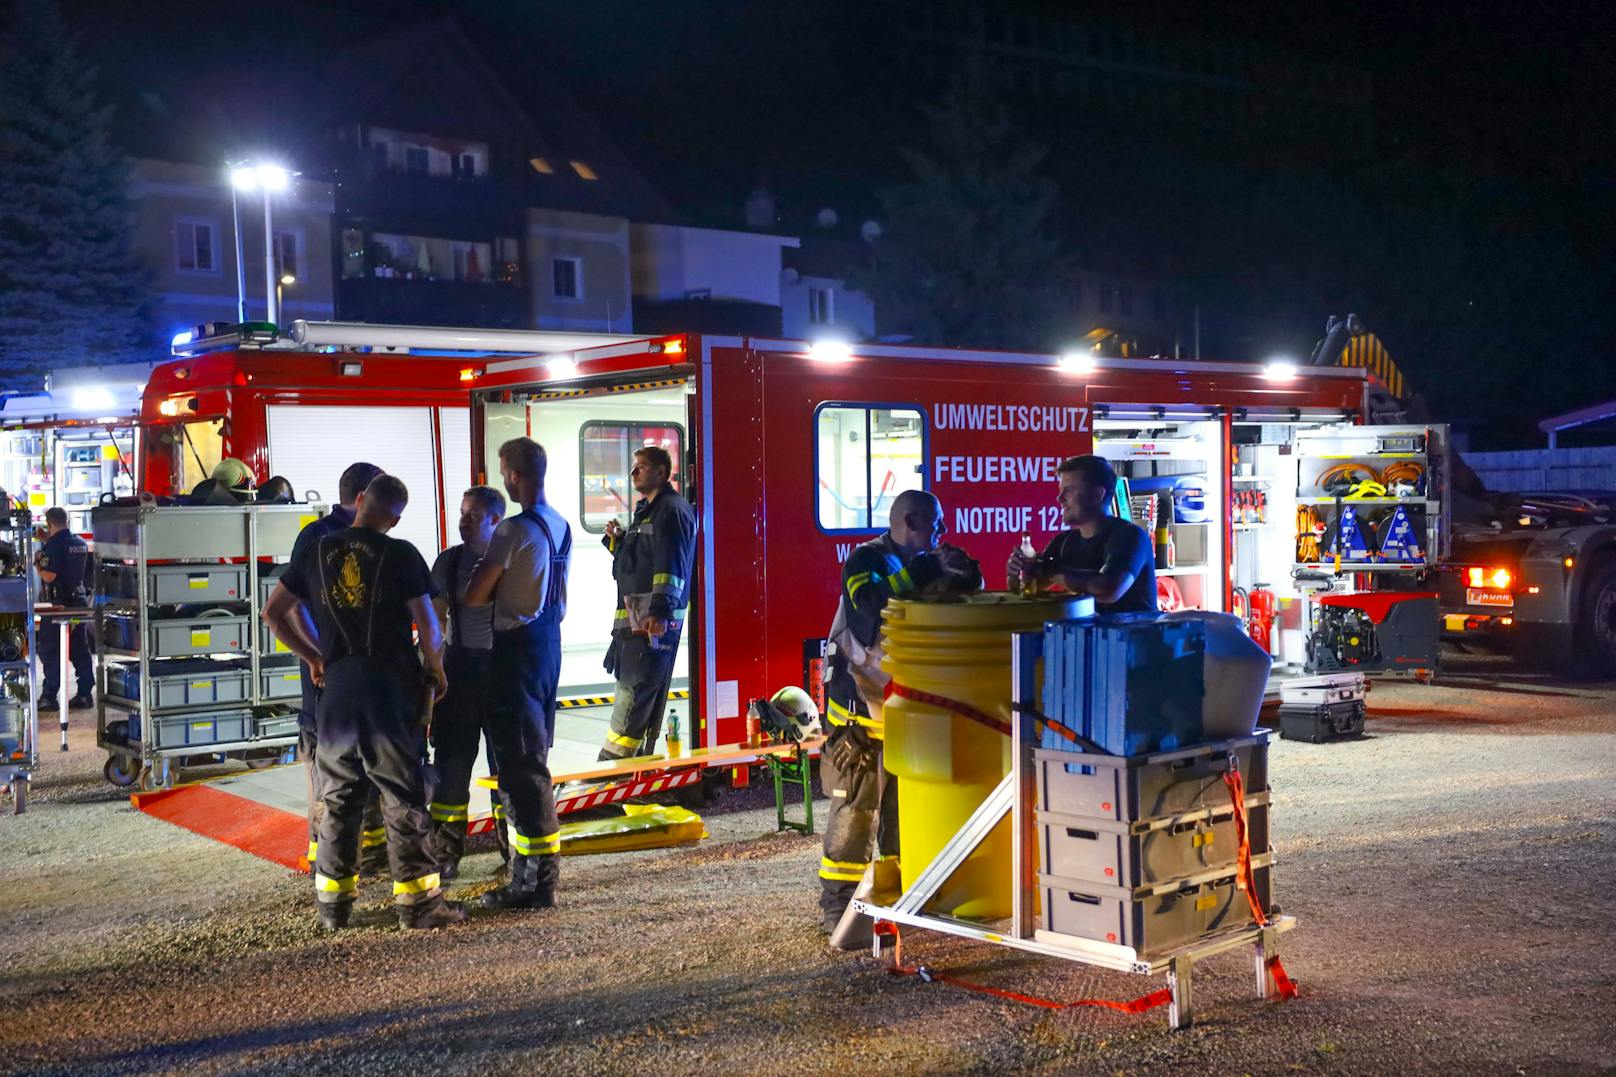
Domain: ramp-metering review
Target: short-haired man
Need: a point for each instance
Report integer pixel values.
(353, 481)
(524, 576)
(369, 594)
(459, 721)
(907, 561)
(1099, 554)
(63, 561)
(652, 561)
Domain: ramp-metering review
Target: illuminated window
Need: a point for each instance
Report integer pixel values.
(583, 170)
(864, 458)
(606, 452)
(541, 166)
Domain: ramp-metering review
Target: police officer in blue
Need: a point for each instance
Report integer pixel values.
(524, 576)
(63, 561)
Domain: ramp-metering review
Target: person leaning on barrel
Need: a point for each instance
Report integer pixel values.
(907, 561)
(1099, 554)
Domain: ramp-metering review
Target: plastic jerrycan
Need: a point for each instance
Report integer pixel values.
(955, 649)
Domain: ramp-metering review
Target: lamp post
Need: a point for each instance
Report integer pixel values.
(285, 280)
(241, 266)
(269, 179)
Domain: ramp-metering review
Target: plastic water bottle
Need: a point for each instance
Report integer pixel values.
(1029, 579)
(675, 744)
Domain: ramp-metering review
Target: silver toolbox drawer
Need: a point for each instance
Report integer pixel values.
(1151, 923)
(179, 584)
(1133, 787)
(1139, 854)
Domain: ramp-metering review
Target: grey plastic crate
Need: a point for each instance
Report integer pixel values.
(178, 584)
(268, 645)
(192, 684)
(1152, 923)
(275, 725)
(187, 730)
(179, 637)
(280, 682)
(1122, 854)
(1133, 787)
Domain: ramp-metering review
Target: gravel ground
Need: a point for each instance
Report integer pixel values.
(1452, 872)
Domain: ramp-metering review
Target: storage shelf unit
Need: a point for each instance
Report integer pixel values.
(19, 702)
(184, 666)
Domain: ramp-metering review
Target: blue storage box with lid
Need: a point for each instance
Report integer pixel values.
(1129, 683)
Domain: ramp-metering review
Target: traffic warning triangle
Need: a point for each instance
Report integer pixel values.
(1349, 540)
(1401, 542)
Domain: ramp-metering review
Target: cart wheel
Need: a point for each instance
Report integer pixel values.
(259, 762)
(19, 794)
(151, 780)
(121, 770)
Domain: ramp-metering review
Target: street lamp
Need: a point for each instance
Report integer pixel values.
(286, 280)
(269, 179)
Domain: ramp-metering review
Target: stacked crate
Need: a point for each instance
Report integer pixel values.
(1137, 844)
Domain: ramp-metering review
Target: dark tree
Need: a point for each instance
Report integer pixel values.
(71, 290)
(967, 256)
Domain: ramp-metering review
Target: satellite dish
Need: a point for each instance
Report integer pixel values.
(870, 231)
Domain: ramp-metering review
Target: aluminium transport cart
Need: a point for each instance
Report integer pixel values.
(19, 695)
(1210, 914)
(186, 670)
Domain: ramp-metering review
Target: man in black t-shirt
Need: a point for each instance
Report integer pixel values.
(367, 593)
(1100, 555)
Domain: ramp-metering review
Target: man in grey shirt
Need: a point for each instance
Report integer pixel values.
(524, 577)
(459, 721)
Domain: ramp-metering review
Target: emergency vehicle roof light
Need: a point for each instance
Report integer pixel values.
(516, 341)
(92, 397)
(1077, 363)
(830, 351)
(562, 366)
(1279, 370)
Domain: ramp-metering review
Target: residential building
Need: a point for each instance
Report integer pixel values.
(707, 279)
(185, 230)
(815, 300)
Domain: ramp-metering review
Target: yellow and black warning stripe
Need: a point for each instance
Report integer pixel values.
(1366, 350)
(606, 701)
(603, 390)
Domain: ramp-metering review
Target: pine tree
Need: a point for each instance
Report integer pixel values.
(72, 291)
(965, 255)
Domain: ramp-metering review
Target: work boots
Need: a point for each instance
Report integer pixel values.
(334, 915)
(532, 885)
(448, 845)
(433, 912)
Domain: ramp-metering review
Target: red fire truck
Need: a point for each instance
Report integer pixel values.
(793, 453)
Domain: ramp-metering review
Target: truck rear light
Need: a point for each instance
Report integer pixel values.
(1534, 590)
(1506, 621)
(1570, 562)
(1496, 578)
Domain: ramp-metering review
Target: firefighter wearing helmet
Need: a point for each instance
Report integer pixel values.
(863, 825)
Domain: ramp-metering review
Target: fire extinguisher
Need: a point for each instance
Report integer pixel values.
(1263, 608)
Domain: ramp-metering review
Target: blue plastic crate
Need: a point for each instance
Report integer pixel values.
(1130, 683)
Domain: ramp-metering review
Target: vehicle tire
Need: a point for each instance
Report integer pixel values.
(1596, 621)
(121, 770)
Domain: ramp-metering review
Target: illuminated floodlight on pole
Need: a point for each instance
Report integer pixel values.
(271, 179)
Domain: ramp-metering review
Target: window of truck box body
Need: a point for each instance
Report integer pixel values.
(606, 453)
(198, 446)
(864, 457)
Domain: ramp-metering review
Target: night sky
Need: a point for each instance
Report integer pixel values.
(1476, 238)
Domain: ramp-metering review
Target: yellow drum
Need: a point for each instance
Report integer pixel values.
(955, 650)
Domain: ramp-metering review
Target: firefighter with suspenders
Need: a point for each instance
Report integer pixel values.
(459, 722)
(651, 561)
(905, 562)
(368, 593)
(524, 576)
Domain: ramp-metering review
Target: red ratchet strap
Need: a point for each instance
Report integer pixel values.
(1247, 880)
(964, 710)
(1138, 1005)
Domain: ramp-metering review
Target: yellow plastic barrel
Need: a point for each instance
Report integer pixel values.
(955, 649)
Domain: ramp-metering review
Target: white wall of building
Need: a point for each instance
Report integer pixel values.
(676, 262)
(813, 307)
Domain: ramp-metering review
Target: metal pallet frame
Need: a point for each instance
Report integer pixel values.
(157, 767)
(16, 524)
(1014, 796)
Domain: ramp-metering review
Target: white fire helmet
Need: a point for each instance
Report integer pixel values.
(798, 708)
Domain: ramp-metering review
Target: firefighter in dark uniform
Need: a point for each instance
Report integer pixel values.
(905, 562)
(459, 721)
(651, 561)
(524, 576)
(350, 485)
(368, 593)
(63, 561)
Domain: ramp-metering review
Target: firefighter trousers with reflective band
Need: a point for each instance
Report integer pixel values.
(370, 734)
(524, 673)
(644, 674)
(863, 822)
(374, 832)
(458, 722)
